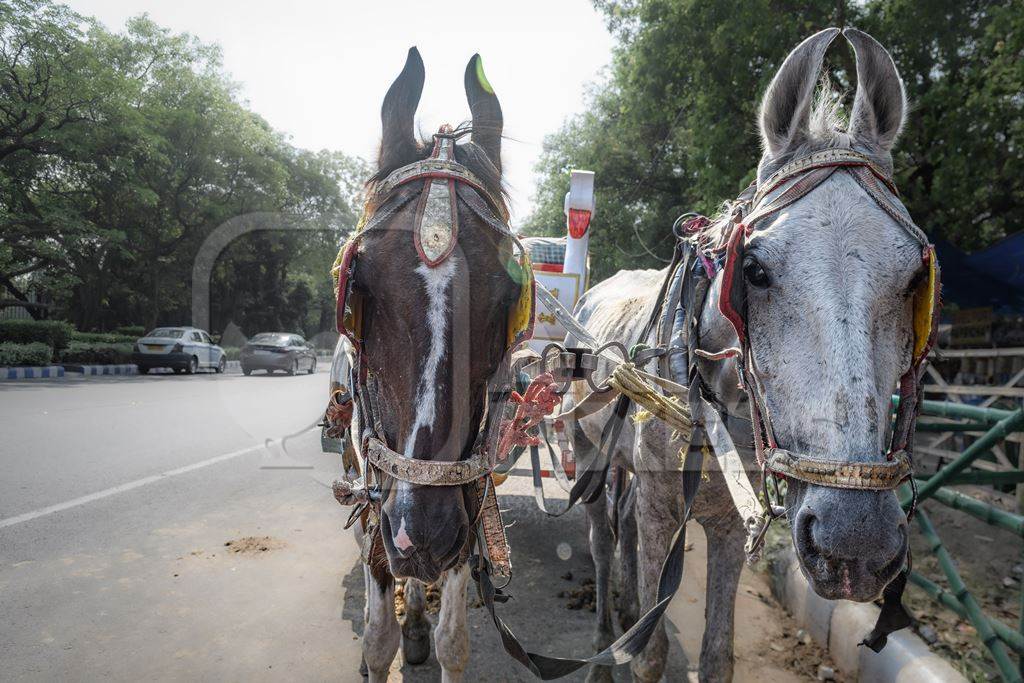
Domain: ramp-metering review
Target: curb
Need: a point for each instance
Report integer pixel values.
(103, 369)
(839, 625)
(44, 372)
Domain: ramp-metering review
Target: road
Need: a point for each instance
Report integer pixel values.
(119, 496)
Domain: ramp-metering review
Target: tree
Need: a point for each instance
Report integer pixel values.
(105, 209)
(673, 129)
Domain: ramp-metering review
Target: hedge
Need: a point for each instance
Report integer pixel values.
(92, 353)
(135, 331)
(53, 333)
(232, 352)
(103, 338)
(33, 353)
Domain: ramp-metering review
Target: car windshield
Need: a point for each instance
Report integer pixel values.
(270, 338)
(173, 332)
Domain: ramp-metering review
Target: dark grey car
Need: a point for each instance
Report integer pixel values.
(282, 351)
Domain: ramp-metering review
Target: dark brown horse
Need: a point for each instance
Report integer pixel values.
(433, 274)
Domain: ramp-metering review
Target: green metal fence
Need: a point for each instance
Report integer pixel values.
(1002, 640)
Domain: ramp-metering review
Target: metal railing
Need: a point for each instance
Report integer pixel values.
(992, 426)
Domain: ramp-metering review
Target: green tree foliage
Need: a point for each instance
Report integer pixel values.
(121, 153)
(672, 128)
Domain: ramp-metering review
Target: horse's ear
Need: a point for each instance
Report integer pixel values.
(786, 107)
(881, 102)
(483, 103)
(398, 143)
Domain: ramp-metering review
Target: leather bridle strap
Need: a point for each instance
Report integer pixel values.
(426, 472)
(864, 476)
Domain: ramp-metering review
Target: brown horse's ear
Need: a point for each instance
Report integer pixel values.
(483, 103)
(786, 107)
(398, 143)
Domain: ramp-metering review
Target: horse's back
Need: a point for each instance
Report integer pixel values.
(617, 308)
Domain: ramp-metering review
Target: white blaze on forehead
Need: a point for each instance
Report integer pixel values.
(437, 282)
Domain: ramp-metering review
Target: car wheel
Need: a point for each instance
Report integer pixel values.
(312, 366)
(193, 365)
(143, 370)
(294, 368)
(222, 365)
(246, 371)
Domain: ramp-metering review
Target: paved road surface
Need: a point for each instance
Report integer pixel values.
(119, 494)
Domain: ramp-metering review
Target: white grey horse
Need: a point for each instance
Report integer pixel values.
(829, 283)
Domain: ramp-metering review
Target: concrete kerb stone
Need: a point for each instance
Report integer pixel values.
(840, 626)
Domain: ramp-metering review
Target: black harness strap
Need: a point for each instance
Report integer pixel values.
(633, 641)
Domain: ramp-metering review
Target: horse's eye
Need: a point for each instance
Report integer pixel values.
(755, 273)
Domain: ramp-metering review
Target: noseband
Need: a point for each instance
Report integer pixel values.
(785, 187)
(435, 236)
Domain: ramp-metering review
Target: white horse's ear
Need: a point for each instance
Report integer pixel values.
(786, 107)
(881, 101)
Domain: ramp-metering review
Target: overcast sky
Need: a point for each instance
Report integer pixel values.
(318, 70)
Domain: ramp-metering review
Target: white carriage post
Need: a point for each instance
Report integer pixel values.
(562, 266)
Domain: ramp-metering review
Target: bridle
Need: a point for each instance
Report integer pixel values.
(435, 235)
(783, 188)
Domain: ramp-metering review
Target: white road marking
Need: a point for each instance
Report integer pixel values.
(138, 483)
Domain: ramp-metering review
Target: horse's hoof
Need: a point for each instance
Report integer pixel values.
(415, 651)
(600, 674)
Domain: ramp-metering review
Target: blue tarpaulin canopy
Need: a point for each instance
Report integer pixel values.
(993, 277)
(1003, 261)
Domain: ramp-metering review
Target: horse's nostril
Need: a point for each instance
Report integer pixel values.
(805, 529)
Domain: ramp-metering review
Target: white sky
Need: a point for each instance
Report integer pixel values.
(318, 70)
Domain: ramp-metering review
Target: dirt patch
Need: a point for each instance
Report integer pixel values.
(797, 651)
(583, 596)
(433, 599)
(253, 545)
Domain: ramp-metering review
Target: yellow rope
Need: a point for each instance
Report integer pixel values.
(628, 380)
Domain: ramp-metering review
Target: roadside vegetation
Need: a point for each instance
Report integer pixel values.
(121, 152)
(671, 127)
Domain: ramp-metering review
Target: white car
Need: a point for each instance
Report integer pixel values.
(185, 349)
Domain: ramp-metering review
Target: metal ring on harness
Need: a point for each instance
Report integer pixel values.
(607, 346)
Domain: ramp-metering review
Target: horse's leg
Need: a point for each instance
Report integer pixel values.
(451, 636)
(381, 633)
(655, 504)
(725, 562)
(602, 548)
(628, 603)
(415, 627)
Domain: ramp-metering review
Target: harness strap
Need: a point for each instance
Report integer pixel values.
(633, 641)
